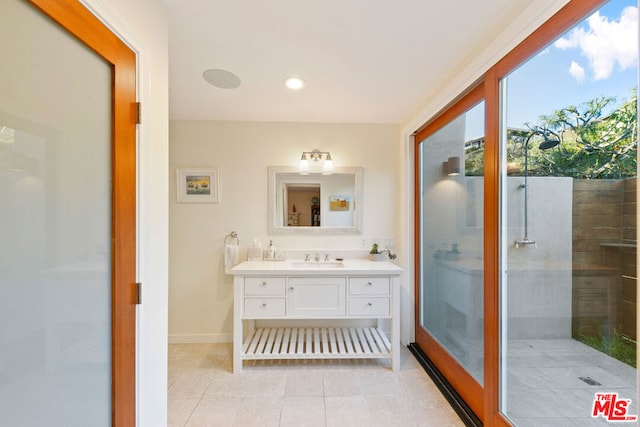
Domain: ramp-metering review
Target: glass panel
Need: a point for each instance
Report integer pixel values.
(55, 223)
(568, 288)
(451, 184)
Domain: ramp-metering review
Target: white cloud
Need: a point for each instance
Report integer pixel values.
(606, 42)
(577, 71)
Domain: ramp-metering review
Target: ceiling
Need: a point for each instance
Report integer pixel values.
(363, 61)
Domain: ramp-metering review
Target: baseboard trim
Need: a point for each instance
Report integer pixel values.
(457, 403)
(200, 338)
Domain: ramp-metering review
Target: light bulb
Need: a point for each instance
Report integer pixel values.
(304, 163)
(328, 164)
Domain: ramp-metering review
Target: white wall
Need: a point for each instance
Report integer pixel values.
(538, 284)
(143, 25)
(200, 294)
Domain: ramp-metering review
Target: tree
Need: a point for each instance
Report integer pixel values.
(592, 145)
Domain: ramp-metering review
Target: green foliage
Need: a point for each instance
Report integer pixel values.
(618, 346)
(593, 145)
(474, 160)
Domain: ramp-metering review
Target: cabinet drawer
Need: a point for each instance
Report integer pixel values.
(264, 307)
(267, 286)
(375, 306)
(369, 286)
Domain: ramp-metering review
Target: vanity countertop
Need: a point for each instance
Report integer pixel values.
(312, 268)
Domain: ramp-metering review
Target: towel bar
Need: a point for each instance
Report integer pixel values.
(231, 239)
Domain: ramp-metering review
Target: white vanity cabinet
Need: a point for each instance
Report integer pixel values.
(361, 289)
(264, 297)
(370, 297)
(313, 297)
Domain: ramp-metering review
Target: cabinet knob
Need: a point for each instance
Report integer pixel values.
(291, 288)
(264, 283)
(264, 304)
(369, 284)
(369, 304)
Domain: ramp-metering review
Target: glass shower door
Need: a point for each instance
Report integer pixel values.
(57, 102)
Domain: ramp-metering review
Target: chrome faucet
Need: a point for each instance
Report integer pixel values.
(317, 258)
(306, 257)
(326, 257)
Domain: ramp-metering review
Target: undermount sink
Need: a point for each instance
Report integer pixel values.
(317, 264)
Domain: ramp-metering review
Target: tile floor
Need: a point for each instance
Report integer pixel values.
(204, 392)
(544, 386)
(544, 389)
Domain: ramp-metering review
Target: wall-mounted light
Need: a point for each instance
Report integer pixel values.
(13, 161)
(316, 156)
(451, 167)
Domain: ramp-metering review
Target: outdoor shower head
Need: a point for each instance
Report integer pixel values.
(544, 145)
(548, 143)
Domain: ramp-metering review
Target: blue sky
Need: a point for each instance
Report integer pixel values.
(598, 57)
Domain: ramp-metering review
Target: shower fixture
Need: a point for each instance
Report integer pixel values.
(546, 144)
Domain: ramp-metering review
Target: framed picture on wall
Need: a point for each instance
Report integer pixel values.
(198, 185)
(338, 203)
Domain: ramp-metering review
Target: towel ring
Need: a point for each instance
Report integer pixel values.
(232, 239)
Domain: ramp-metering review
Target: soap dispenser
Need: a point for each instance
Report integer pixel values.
(271, 252)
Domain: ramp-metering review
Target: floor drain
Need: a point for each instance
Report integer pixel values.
(589, 380)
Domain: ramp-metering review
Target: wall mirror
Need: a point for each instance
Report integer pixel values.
(315, 203)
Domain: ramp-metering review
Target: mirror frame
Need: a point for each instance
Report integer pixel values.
(358, 173)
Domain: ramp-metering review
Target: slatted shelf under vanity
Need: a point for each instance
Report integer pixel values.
(316, 343)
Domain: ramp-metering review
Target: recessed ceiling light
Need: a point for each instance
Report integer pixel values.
(294, 83)
(221, 78)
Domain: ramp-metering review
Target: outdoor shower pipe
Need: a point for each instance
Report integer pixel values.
(544, 145)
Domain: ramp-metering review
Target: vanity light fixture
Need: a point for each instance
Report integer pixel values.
(316, 156)
(451, 167)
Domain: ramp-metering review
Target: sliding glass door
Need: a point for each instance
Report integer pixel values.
(526, 213)
(568, 226)
(450, 321)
